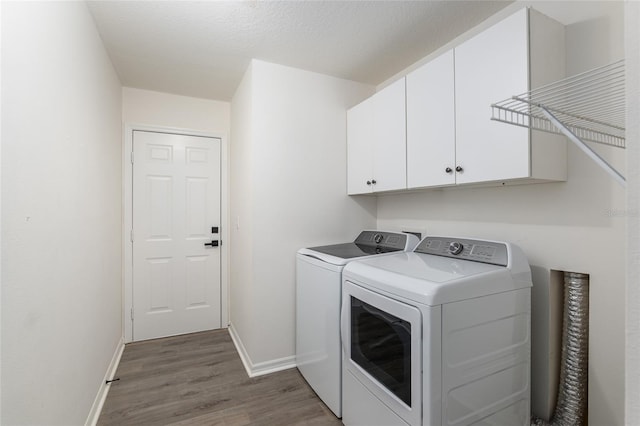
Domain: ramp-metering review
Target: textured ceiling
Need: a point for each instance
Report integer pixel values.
(202, 48)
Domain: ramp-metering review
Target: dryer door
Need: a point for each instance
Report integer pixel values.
(382, 347)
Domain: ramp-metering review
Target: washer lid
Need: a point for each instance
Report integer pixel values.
(351, 250)
(429, 279)
(341, 254)
(368, 243)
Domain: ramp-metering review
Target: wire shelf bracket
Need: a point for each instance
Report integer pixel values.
(586, 107)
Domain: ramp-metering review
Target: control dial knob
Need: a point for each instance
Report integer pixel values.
(455, 247)
(378, 238)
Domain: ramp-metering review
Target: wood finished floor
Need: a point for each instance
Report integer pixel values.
(198, 379)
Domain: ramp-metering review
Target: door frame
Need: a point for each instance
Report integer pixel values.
(127, 215)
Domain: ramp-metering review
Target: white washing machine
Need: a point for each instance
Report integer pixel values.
(438, 336)
(318, 293)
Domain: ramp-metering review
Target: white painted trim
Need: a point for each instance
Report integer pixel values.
(127, 204)
(0, 226)
(261, 368)
(275, 365)
(225, 235)
(127, 226)
(244, 356)
(101, 396)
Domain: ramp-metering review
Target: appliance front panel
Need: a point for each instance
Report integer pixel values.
(486, 346)
(318, 352)
(382, 345)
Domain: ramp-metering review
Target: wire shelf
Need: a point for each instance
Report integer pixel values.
(591, 105)
(586, 107)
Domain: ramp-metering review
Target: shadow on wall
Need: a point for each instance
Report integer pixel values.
(589, 198)
(589, 33)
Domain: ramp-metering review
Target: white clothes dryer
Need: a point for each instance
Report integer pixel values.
(318, 293)
(438, 336)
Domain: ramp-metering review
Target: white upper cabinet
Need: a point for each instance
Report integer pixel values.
(360, 148)
(431, 127)
(445, 136)
(376, 135)
(496, 64)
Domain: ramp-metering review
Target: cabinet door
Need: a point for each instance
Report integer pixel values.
(360, 146)
(431, 124)
(390, 134)
(491, 67)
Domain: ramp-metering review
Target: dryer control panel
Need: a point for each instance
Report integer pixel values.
(474, 250)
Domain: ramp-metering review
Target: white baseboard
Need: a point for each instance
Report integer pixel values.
(261, 368)
(96, 408)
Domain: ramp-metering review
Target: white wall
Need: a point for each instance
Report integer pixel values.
(290, 162)
(61, 214)
(632, 61)
(573, 226)
(167, 110)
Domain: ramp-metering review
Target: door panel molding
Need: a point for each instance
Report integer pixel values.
(127, 215)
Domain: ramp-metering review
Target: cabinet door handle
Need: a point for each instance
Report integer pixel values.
(448, 170)
(459, 169)
(368, 182)
(373, 182)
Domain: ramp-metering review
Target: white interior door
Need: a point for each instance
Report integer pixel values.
(176, 205)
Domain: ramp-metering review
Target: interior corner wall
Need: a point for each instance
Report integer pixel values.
(61, 213)
(296, 151)
(241, 296)
(632, 62)
(578, 225)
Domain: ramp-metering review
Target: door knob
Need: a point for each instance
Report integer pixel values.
(448, 170)
(458, 169)
(213, 243)
(373, 181)
(368, 182)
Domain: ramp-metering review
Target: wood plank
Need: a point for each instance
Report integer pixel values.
(198, 379)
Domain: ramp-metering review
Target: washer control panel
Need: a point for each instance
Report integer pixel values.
(455, 247)
(474, 250)
(389, 240)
